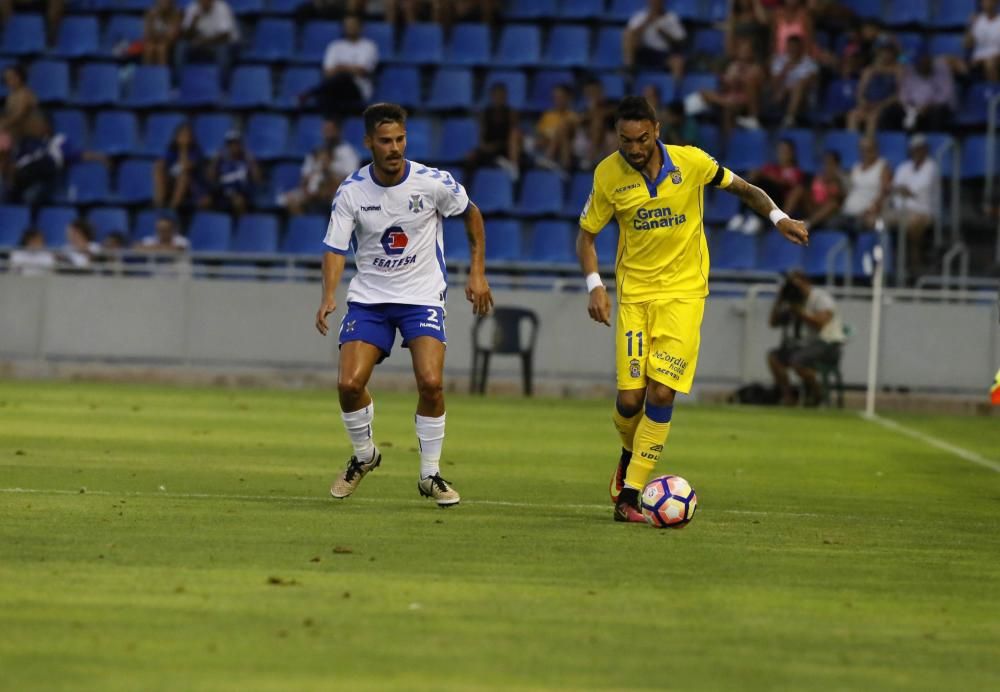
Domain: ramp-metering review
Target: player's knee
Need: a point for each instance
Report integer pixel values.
(350, 386)
(430, 386)
(630, 401)
(659, 394)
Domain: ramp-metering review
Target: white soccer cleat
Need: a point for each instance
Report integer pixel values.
(438, 489)
(350, 479)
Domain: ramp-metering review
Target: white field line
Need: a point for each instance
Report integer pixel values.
(315, 498)
(932, 441)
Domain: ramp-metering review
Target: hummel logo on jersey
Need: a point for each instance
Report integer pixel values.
(374, 207)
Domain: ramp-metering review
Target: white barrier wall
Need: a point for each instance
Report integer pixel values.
(925, 345)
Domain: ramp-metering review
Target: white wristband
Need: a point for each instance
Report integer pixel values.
(777, 215)
(593, 281)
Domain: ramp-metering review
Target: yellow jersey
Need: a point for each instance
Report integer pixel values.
(662, 250)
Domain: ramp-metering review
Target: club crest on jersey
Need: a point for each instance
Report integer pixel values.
(394, 241)
(416, 203)
(633, 367)
(675, 177)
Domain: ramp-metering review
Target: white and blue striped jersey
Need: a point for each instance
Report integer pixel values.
(396, 233)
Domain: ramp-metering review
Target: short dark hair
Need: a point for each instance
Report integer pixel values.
(834, 154)
(635, 108)
(379, 113)
(82, 225)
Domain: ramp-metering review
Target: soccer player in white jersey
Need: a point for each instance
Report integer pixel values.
(390, 213)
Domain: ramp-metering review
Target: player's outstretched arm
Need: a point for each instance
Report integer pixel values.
(599, 305)
(333, 268)
(760, 202)
(477, 288)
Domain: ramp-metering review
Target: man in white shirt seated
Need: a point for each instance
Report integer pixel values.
(348, 66)
(654, 39)
(209, 33)
(913, 197)
(31, 258)
(166, 238)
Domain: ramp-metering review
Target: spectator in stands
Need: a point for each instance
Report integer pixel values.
(790, 20)
(868, 184)
(983, 38)
(555, 131)
(22, 115)
(914, 195)
(322, 172)
(858, 51)
(748, 21)
(738, 95)
(813, 335)
(113, 242)
(80, 246)
(32, 258)
(793, 80)
(675, 125)
(161, 28)
(233, 175)
(348, 66)
(178, 178)
(500, 138)
(654, 39)
(208, 33)
(595, 136)
(166, 237)
(53, 13)
(878, 92)
(344, 160)
(927, 93)
(826, 192)
(783, 180)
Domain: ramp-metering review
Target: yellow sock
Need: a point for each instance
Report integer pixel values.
(626, 427)
(650, 436)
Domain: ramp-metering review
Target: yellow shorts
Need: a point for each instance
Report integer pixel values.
(658, 340)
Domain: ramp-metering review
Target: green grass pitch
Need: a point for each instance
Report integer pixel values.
(205, 554)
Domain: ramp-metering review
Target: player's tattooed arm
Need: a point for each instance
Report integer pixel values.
(758, 200)
(477, 289)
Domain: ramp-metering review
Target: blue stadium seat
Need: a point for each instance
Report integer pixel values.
(456, 242)
(974, 163)
(24, 34)
(861, 256)
(273, 41)
(541, 194)
(116, 133)
(122, 30)
(159, 131)
(531, 9)
(692, 10)
(553, 242)
(947, 44)
(907, 12)
(316, 36)
(49, 79)
(354, 133)
(294, 81)
(805, 151)
(543, 84)
(459, 136)
(734, 251)
(777, 254)
(709, 138)
(470, 45)
(614, 85)
(568, 46)
(579, 190)
(503, 240)
(664, 84)
(581, 9)
(134, 182)
(149, 87)
(606, 244)
(697, 82)
(241, 7)
(304, 235)
(516, 83)
(210, 130)
(493, 191)
(841, 95)
(251, 87)
(52, 222)
(267, 136)
(708, 42)
(14, 221)
(721, 207)
(210, 232)
(307, 135)
(867, 9)
(256, 233)
(716, 11)
(622, 10)
(78, 37)
(451, 88)
(422, 44)
(200, 85)
(144, 224)
(748, 149)
(97, 85)
(419, 139)
(283, 7)
(821, 243)
(975, 104)
(519, 45)
(952, 14)
(399, 85)
(73, 124)
(892, 147)
(87, 183)
(108, 220)
(284, 177)
(384, 37)
(845, 143)
(912, 43)
(608, 51)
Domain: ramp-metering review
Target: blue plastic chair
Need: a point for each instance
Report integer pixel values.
(256, 233)
(696, 10)
(49, 79)
(568, 46)
(622, 10)
(422, 44)
(97, 85)
(14, 221)
(210, 232)
(354, 133)
(975, 104)
(493, 191)
(553, 241)
(516, 83)
(73, 124)
(543, 84)
(503, 240)
(419, 139)
(316, 36)
(748, 149)
(284, 177)
(821, 243)
(384, 37)
(608, 51)
(470, 45)
(241, 7)
(87, 183)
(952, 14)
(134, 181)
(144, 224)
(78, 37)
(519, 45)
(306, 135)
(697, 82)
(579, 190)
(581, 9)
(24, 34)
(210, 131)
(907, 12)
(947, 44)
(841, 96)
(200, 85)
(721, 207)
(251, 87)
(159, 130)
(734, 251)
(108, 220)
(614, 85)
(664, 84)
(974, 157)
(866, 9)
(267, 136)
(459, 136)
(399, 85)
(892, 146)
(121, 29)
(116, 133)
(304, 235)
(52, 222)
(805, 147)
(273, 41)
(845, 143)
(541, 194)
(149, 87)
(451, 88)
(294, 81)
(531, 9)
(777, 254)
(456, 242)
(708, 42)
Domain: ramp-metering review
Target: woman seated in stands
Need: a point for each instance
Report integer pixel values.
(162, 27)
(178, 178)
(826, 192)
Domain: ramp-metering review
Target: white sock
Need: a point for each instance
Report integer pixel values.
(430, 435)
(359, 429)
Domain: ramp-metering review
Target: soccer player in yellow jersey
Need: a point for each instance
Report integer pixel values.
(656, 193)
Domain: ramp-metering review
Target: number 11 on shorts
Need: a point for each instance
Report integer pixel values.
(638, 337)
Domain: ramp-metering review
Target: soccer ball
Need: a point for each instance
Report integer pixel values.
(668, 501)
